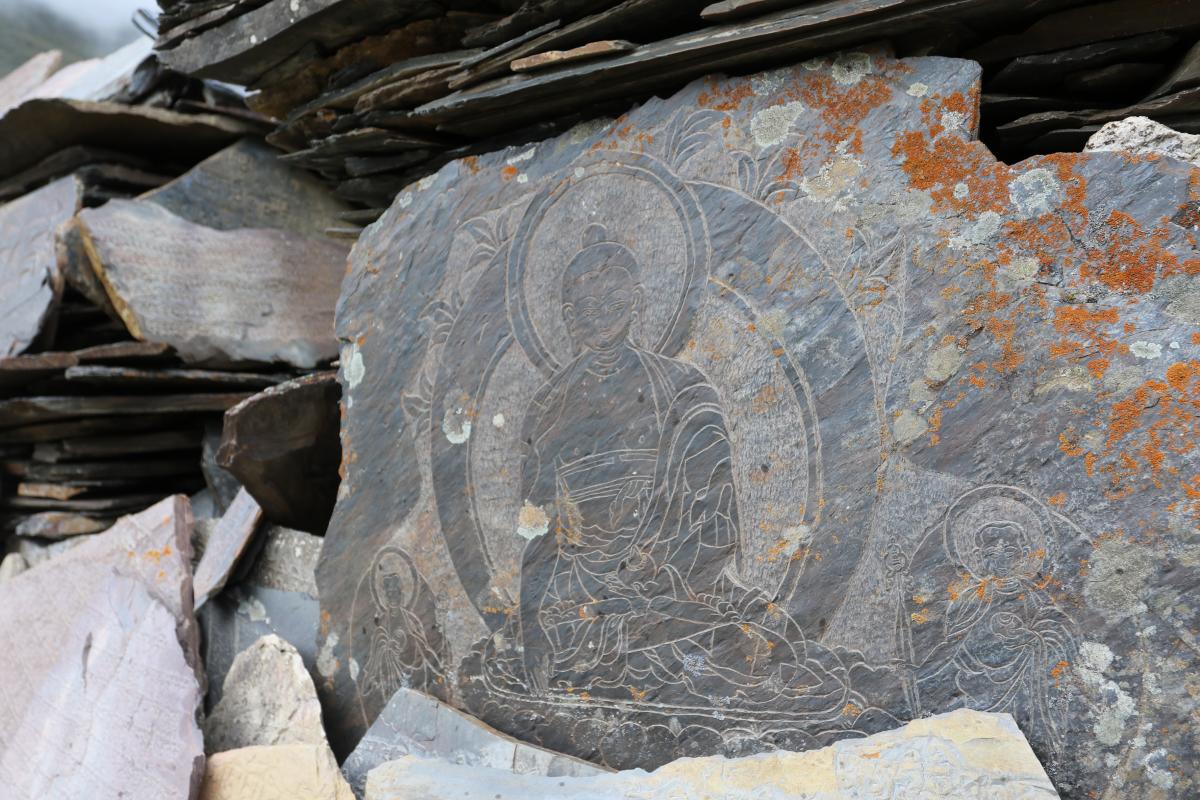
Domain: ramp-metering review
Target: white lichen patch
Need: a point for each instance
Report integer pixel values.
(1095, 659)
(771, 125)
(406, 200)
(522, 178)
(517, 159)
(849, 68)
(961, 191)
(954, 120)
(498, 421)
(835, 178)
(252, 609)
(456, 429)
(353, 369)
(327, 663)
(1146, 350)
(908, 427)
(983, 230)
(1035, 193)
(917, 90)
(532, 522)
(354, 669)
(1023, 268)
(943, 363)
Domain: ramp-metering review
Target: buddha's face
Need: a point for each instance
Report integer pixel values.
(1003, 548)
(599, 306)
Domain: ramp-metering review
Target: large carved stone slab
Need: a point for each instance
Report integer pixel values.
(99, 650)
(772, 414)
(252, 294)
(30, 283)
(948, 757)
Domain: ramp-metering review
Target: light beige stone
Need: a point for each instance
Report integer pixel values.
(268, 699)
(12, 566)
(952, 756)
(283, 772)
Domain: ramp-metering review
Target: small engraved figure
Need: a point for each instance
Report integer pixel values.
(627, 590)
(1006, 640)
(404, 651)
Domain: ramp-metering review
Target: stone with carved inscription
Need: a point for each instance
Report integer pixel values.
(268, 699)
(99, 652)
(947, 757)
(773, 414)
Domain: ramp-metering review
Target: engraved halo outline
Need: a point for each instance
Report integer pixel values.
(958, 538)
(684, 205)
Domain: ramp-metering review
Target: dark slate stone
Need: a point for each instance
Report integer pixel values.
(771, 414)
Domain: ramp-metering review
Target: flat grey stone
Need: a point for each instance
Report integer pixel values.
(98, 647)
(413, 723)
(268, 699)
(773, 414)
(948, 757)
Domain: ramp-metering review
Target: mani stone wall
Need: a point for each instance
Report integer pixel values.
(773, 414)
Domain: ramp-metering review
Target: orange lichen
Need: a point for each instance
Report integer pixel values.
(727, 96)
(1128, 259)
(1057, 499)
(509, 172)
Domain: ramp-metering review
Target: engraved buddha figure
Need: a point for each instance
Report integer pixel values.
(629, 591)
(1006, 640)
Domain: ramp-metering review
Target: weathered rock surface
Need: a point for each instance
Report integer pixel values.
(30, 283)
(251, 294)
(278, 596)
(268, 699)
(1141, 136)
(284, 772)
(60, 525)
(247, 186)
(99, 649)
(282, 445)
(947, 757)
(772, 414)
(22, 81)
(226, 542)
(415, 724)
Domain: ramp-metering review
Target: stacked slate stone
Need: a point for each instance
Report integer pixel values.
(158, 265)
(373, 96)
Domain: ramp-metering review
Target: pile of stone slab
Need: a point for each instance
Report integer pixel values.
(374, 96)
(158, 266)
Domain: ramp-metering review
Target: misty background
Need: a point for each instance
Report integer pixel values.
(79, 28)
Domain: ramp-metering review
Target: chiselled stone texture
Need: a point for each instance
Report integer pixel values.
(283, 772)
(98, 650)
(772, 414)
(415, 724)
(962, 754)
(268, 699)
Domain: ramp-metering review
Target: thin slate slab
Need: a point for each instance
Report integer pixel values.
(772, 414)
(75, 720)
(229, 539)
(251, 294)
(39, 128)
(415, 724)
(268, 698)
(18, 84)
(282, 445)
(283, 772)
(946, 757)
(30, 283)
(247, 186)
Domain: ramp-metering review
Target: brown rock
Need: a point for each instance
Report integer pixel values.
(553, 58)
(283, 445)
